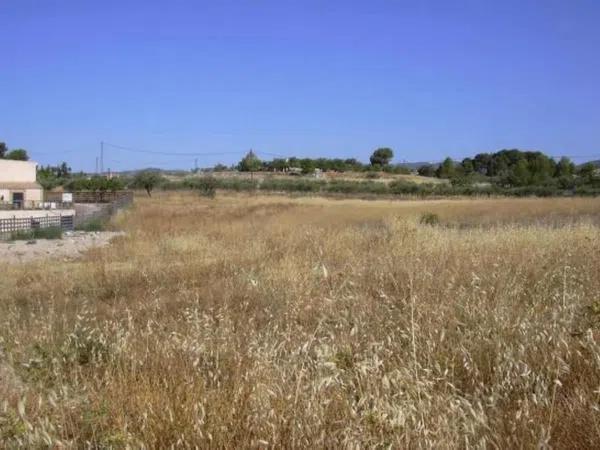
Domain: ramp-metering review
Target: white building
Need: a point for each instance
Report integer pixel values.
(18, 184)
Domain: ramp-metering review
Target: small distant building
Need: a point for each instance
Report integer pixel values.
(18, 184)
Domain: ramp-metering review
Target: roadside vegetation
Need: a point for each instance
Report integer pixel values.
(96, 224)
(37, 233)
(278, 322)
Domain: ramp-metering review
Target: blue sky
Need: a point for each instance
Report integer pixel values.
(306, 78)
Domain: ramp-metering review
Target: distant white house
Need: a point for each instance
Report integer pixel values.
(18, 184)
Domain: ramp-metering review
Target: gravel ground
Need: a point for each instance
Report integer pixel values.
(72, 245)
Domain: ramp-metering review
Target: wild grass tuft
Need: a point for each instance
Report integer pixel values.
(37, 233)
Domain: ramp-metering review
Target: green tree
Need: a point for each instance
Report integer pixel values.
(353, 164)
(426, 170)
(147, 180)
(307, 165)
(587, 171)
(382, 156)
(564, 167)
(51, 176)
(250, 163)
(3, 150)
(542, 167)
(520, 175)
(18, 154)
(468, 166)
(95, 183)
(279, 164)
(220, 168)
(446, 170)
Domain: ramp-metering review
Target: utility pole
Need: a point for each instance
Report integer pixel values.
(196, 165)
(96, 165)
(101, 157)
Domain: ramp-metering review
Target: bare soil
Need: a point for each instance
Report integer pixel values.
(72, 245)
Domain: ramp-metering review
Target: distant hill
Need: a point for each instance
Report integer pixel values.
(596, 162)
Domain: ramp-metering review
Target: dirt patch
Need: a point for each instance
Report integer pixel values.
(72, 245)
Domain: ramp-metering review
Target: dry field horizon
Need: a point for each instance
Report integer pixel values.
(382, 177)
(249, 321)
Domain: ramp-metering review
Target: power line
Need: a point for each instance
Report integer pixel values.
(146, 162)
(152, 152)
(273, 154)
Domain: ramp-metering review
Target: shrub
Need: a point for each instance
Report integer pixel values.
(206, 186)
(37, 233)
(47, 233)
(92, 225)
(430, 219)
(292, 185)
(426, 170)
(399, 187)
(236, 184)
(95, 183)
(21, 235)
(354, 187)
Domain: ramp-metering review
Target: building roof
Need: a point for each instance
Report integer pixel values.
(20, 185)
(17, 161)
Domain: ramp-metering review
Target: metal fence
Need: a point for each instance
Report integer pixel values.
(15, 224)
(34, 206)
(92, 196)
(102, 211)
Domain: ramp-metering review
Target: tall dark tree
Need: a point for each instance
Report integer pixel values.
(467, 165)
(382, 156)
(426, 171)
(3, 150)
(587, 171)
(308, 165)
(565, 167)
(279, 164)
(250, 163)
(18, 154)
(447, 169)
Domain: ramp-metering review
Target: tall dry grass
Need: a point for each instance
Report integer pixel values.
(253, 322)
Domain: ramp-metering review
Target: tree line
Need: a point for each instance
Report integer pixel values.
(513, 168)
(505, 168)
(17, 154)
(502, 171)
(380, 160)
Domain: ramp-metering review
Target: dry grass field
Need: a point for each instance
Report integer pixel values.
(272, 322)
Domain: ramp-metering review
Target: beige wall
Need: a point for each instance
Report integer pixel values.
(17, 171)
(31, 195)
(34, 195)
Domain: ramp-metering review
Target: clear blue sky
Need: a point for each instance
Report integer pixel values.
(305, 78)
